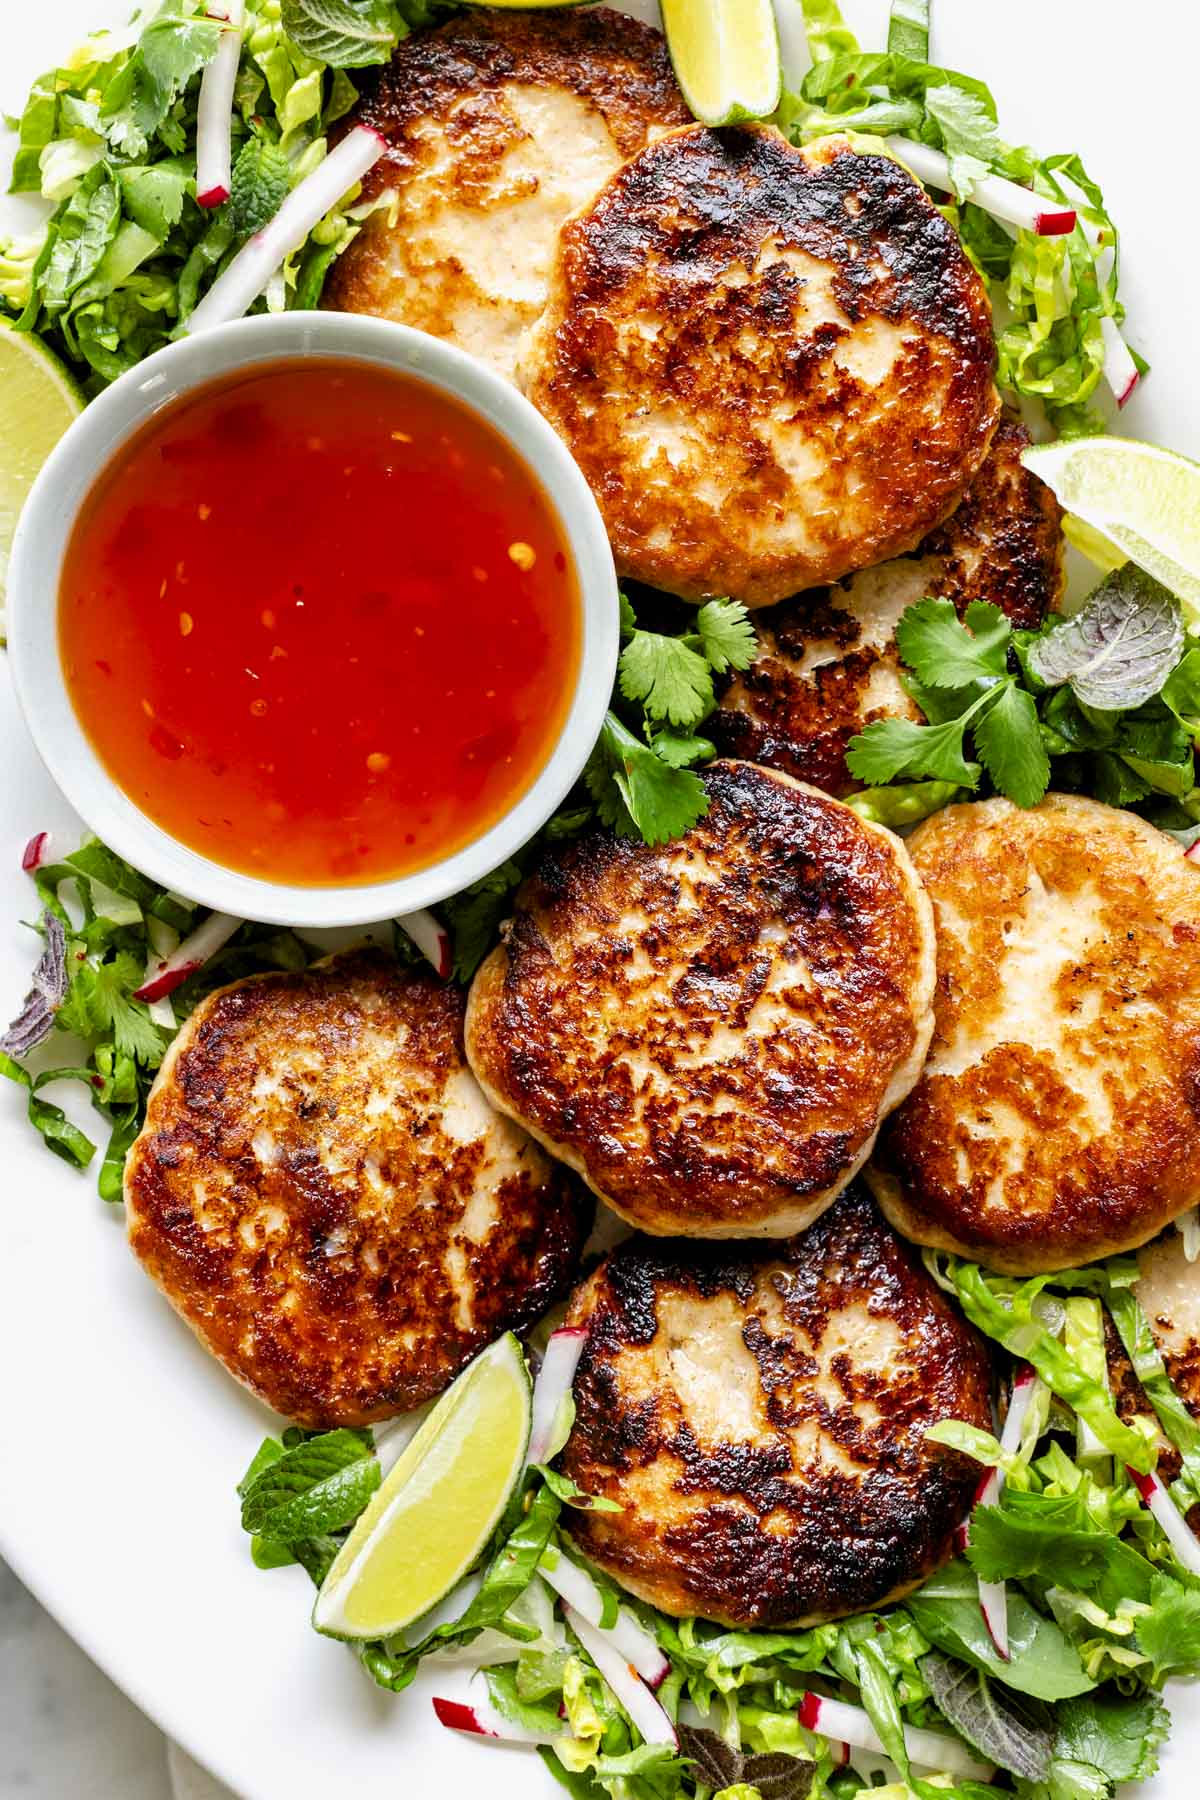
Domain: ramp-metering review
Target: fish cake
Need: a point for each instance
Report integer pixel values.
(499, 125)
(759, 1414)
(710, 1031)
(1058, 1117)
(325, 1196)
(773, 365)
(827, 663)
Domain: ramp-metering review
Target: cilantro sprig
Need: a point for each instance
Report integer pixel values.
(962, 684)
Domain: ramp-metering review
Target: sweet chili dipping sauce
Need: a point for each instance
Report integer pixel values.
(320, 622)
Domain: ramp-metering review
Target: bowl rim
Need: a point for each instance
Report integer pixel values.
(77, 463)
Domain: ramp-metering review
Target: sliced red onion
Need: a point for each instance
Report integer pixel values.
(37, 853)
(553, 1384)
(1176, 1529)
(632, 1642)
(930, 1750)
(1120, 370)
(48, 990)
(172, 971)
(1003, 199)
(431, 939)
(483, 1720)
(624, 1680)
(255, 263)
(214, 112)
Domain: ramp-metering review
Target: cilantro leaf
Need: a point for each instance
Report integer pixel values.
(1117, 1733)
(891, 747)
(727, 635)
(106, 990)
(1170, 1632)
(672, 681)
(1009, 745)
(473, 917)
(637, 793)
(946, 652)
(320, 1485)
(681, 749)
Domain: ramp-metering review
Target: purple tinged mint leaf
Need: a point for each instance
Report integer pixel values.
(35, 1021)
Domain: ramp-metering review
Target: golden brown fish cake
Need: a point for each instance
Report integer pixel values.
(711, 1031)
(827, 663)
(500, 125)
(1058, 1117)
(323, 1193)
(759, 1414)
(773, 365)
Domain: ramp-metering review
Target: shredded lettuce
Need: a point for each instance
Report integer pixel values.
(1053, 291)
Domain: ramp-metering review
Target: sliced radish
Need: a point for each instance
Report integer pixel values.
(37, 852)
(553, 1384)
(1176, 1529)
(214, 112)
(255, 263)
(483, 1720)
(631, 1641)
(624, 1680)
(172, 971)
(931, 1750)
(1003, 199)
(431, 939)
(1120, 370)
(993, 1600)
(164, 941)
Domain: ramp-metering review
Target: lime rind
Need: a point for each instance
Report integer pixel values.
(1139, 498)
(40, 400)
(491, 1398)
(726, 58)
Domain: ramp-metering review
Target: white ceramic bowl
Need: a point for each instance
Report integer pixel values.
(45, 530)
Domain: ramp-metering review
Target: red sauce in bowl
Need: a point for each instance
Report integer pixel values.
(320, 622)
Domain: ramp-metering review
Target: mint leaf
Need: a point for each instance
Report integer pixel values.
(672, 681)
(727, 634)
(980, 1711)
(346, 34)
(946, 652)
(891, 747)
(1008, 741)
(1119, 649)
(317, 1487)
(259, 185)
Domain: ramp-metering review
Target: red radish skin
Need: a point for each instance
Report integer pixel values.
(248, 274)
(1120, 371)
(191, 955)
(1005, 200)
(1174, 1526)
(837, 1721)
(575, 1588)
(484, 1721)
(36, 852)
(430, 938)
(993, 1603)
(624, 1680)
(457, 1717)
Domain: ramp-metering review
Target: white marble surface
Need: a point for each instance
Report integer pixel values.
(65, 1730)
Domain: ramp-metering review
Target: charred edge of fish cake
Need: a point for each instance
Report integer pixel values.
(321, 1343)
(850, 1542)
(1002, 544)
(617, 63)
(1090, 1192)
(858, 914)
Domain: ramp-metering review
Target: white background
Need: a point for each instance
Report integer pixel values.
(121, 1439)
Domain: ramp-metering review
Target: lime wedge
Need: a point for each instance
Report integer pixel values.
(38, 400)
(1143, 500)
(438, 1507)
(726, 57)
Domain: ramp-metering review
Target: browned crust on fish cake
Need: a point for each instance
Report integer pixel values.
(320, 1280)
(616, 1022)
(758, 1529)
(1000, 1160)
(615, 63)
(675, 236)
(1003, 544)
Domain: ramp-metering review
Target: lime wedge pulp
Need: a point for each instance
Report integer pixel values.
(38, 400)
(1143, 500)
(726, 57)
(437, 1508)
